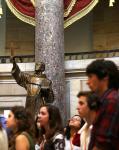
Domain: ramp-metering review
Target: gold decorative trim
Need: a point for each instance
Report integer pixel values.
(80, 14)
(33, 2)
(70, 7)
(21, 16)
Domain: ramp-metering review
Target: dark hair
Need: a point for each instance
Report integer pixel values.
(92, 99)
(38, 133)
(36, 128)
(55, 121)
(25, 120)
(25, 123)
(105, 68)
(68, 128)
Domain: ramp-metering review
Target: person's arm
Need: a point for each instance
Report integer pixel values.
(22, 143)
(21, 78)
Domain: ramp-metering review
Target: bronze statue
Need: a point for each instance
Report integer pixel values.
(38, 86)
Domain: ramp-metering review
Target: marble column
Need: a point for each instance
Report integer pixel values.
(3, 30)
(49, 46)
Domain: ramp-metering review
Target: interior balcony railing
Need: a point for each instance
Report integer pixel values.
(68, 56)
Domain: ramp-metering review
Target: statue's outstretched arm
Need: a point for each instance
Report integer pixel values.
(21, 78)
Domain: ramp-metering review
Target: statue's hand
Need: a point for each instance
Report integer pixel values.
(12, 59)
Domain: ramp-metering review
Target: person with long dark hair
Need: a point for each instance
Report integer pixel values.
(72, 137)
(22, 125)
(51, 127)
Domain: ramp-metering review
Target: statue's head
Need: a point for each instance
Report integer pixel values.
(39, 67)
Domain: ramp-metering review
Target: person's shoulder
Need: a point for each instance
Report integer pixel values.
(58, 136)
(22, 141)
(58, 141)
(112, 93)
(21, 138)
(113, 96)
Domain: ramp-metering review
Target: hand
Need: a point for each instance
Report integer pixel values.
(12, 52)
(12, 59)
(12, 49)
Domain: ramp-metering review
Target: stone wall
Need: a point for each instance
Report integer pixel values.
(21, 34)
(78, 36)
(105, 27)
(99, 30)
(3, 30)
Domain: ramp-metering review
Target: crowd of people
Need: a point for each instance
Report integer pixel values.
(95, 127)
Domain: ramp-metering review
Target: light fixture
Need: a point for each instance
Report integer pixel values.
(1, 12)
(111, 3)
